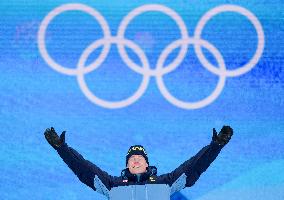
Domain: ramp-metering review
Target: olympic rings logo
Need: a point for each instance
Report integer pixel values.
(145, 69)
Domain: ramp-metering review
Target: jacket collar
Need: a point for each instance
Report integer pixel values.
(150, 171)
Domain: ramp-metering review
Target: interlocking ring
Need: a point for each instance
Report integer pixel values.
(145, 69)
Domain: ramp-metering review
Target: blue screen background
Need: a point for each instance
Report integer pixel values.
(34, 96)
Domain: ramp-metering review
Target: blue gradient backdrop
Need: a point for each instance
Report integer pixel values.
(33, 97)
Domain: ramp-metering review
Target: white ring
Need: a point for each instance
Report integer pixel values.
(50, 16)
(112, 104)
(253, 19)
(138, 11)
(207, 100)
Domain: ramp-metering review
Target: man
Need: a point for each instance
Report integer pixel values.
(139, 181)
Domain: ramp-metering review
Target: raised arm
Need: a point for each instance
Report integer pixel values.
(87, 172)
(189, 172)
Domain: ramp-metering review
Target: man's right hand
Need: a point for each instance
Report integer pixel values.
(53, 139)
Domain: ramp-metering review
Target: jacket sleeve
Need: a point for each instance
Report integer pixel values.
(195, 166)
(83, 169)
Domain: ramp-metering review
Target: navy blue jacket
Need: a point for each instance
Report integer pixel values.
(118, 187)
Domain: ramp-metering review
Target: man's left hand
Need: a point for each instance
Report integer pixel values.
(224, 135)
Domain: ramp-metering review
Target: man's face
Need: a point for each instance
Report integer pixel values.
(137, 164)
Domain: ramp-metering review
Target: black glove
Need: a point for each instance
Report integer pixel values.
(53, 139)
(224, 135)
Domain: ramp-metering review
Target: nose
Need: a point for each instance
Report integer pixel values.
(136, 159)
